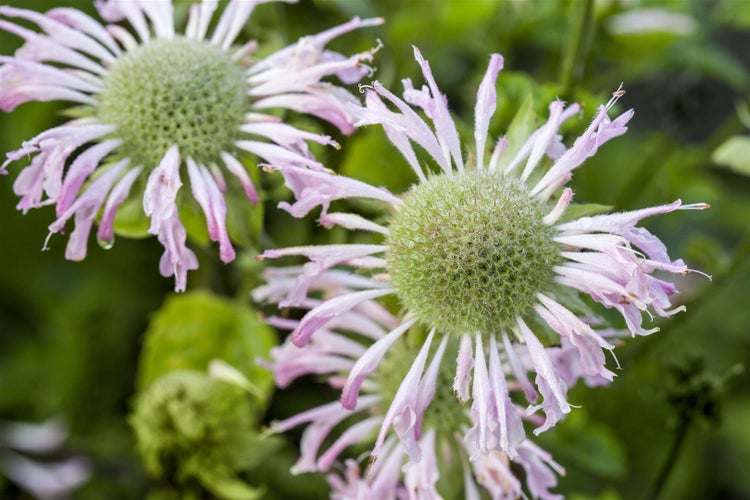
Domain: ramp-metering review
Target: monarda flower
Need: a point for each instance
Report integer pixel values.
(444, 446)
(151, 104)
(484, 266)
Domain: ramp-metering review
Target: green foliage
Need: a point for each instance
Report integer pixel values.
(192, 329)
(734, 154)
(70, 334)
(189, 429)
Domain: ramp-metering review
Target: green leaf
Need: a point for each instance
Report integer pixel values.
(229, 488)
(371, 158)
(130, 219)
(588, 445)
(523, 124)
(576, 211)
(244, 220)
(193, 219)
(192, 329)
(734, 154)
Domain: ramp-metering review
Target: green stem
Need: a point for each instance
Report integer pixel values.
(669, 463)
(571, 69)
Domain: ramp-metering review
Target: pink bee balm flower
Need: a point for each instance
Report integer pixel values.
(154, 105)
(486, 269)
(386, 385)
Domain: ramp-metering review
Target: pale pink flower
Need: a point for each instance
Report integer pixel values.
(349, 352)
(155, 105)
(479, 256)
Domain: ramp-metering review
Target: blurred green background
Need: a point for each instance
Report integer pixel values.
(72, 335)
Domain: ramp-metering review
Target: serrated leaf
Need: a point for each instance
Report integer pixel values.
(194, 328)
(576, 211)
(734, 154)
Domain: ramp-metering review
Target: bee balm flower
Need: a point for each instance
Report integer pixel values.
(339, 348)
(153, 104)
(484, 267)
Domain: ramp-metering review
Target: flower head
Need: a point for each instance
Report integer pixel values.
(152, 104)
(396, 387)
(487, 273)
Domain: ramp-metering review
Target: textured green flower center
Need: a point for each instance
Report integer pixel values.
(469, 253)
(178, 91)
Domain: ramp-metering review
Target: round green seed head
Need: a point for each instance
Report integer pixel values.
(470, 252)
(179, 91)
(188, 425)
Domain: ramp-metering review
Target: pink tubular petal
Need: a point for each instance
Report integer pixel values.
(355, 434)
(587, 342)
(115, 10)
(84, 208)
(553, 389)
(277, 155)
(286, 135)
(485, 105)
(79, 171)
(540, 469)
(584, 147)
(329, 411)
(510, 432)
(444, 125)
(421, 477)
(291, 78)
(83, 24)
(323, 257)
(427, 385)
(161, 15)
(69, 27)
(351, 221)
(493, 472)
(118, 194)
(210, 199)
(368, 362)
(29, 185)
(478, 438)
(25, 81)
(314, 188)
(464, 364)
(161, 190)
(45, 173)
(414, 126)
(401, 413)
(123, 37)
(562, 204)
(238, 170)
(313, 45)
(327, 103)
(615, 223)
(328, 310)
(544, 137)
(177, 258)
(39, 48)
(519, 372)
